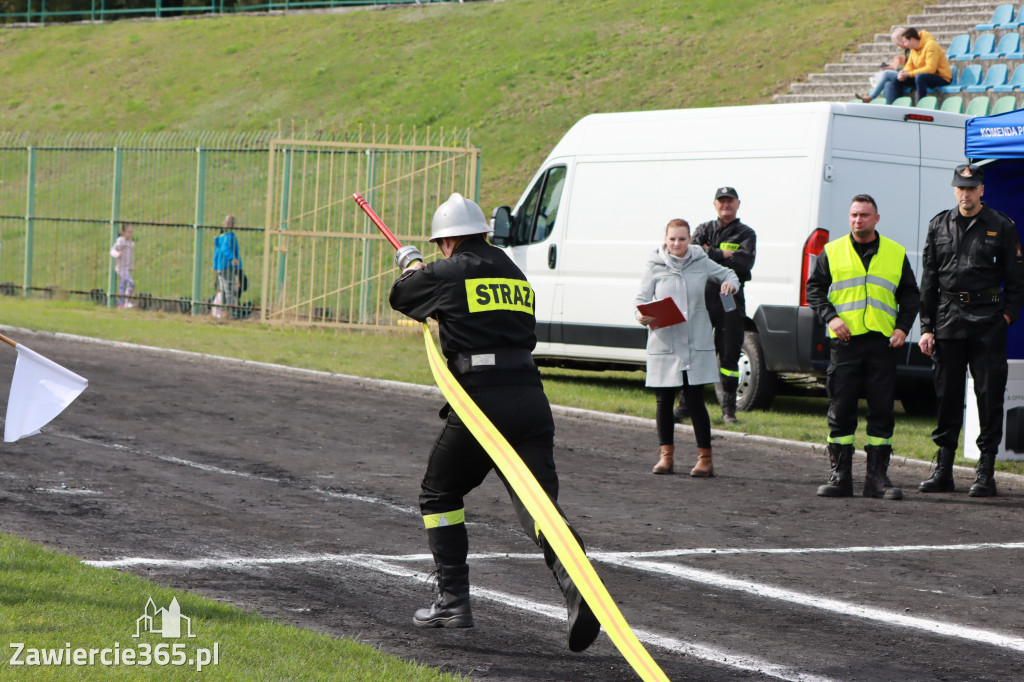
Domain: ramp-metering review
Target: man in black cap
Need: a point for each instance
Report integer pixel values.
(728, 242)
(972, 288)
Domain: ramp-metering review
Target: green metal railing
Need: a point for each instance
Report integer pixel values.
(50, 11)
(63, 199)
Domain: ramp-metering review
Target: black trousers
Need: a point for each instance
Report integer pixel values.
(984, 353)
(729, 330)
(665, 421)
(864, 365)
(458, 464)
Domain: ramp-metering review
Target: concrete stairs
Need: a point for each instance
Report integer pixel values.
(945, 20)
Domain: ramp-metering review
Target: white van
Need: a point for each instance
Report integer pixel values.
(598, 206)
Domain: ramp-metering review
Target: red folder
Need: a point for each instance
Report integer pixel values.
(664, 311)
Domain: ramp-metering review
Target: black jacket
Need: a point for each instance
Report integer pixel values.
(479, 297)
(984, 257)
(908, 297)
(712, 235)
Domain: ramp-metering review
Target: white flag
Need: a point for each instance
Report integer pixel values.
(40, 390)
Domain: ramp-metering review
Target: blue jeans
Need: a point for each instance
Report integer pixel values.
(893, 86)
(889, 75)
(928, 81)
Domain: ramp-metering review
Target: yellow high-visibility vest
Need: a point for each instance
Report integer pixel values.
(865, 299)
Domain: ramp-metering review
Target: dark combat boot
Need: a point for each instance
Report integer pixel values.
(451, 608)
(941, 480)
(840, 483)
(876, 483)
(583, 624)
(729, 408)
(985, 481)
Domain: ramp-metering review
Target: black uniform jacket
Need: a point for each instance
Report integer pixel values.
(479, 297)
(712, 234)
(908, 297)
(984, 257)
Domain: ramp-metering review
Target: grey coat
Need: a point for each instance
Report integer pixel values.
(689, 346)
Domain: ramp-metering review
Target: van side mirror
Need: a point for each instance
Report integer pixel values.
(502, 223)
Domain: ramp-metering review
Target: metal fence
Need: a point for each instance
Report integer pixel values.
(64, 198)
(43, 11)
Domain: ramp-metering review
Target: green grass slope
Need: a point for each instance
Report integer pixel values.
(517, 72)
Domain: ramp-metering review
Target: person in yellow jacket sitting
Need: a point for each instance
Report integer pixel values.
(927, 67)
(864, 290)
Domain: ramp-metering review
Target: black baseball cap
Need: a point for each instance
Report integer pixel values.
(726, 192)
(968, 175)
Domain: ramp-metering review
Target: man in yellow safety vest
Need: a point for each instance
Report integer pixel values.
(864, 290)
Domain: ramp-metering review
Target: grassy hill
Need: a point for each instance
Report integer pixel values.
(517, 72)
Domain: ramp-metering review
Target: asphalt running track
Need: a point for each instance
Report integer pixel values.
(293, 493)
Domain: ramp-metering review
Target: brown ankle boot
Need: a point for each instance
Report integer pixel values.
(703, 468)
(664, 465)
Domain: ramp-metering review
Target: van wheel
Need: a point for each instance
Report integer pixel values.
(918, 398)
(757, 385)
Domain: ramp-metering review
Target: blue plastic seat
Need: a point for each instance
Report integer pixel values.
(1009, 44)
(996, 75)
(928, 102)
(958, 47)
(1016, 22)
(904, 101)
(985, 44)
(971, 75)
(978, 107)
(954, 104)
(1016, 81)
(1002, 15)
(1004, 104)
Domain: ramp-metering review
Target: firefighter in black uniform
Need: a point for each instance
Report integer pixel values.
(729, 242)
(864, 290)
(485, 312)
(972, 288)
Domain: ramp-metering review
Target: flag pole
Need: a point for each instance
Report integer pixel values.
(11, 342)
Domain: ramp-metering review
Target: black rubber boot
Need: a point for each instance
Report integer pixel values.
(729, 408)
(682, 412)
(941, 480)
(876, 483)
(840, 483)
(451, 608)
(583, 624)
(985, 481)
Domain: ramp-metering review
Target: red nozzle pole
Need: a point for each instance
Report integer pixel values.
(376, 220)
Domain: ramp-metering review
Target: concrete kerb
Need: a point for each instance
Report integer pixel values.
(419, 390)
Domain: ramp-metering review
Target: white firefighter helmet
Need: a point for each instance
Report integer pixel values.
(458, 217)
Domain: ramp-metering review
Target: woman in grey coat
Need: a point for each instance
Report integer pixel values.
(682, 355)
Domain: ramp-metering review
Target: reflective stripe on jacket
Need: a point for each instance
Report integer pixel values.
(865, 299)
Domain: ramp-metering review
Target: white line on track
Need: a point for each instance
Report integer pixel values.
(383, 564)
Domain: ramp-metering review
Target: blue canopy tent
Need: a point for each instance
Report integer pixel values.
(997, 144)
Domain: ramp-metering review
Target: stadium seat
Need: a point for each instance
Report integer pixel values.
(1004, 104)
(1016, 81)
(958, 47)
(971, 75)
(978, 107)
(985, 44)
(904, 101)
(1008, 45)
(1016, 22)
(996, 75)
(1002, 15)
(928, 102)
(954, 104)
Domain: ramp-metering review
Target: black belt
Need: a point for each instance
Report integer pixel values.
(469, 362)
(993, 295)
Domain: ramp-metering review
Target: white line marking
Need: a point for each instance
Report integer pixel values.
(383, 564)
(68, 491)
(696, 551)
(893, 618)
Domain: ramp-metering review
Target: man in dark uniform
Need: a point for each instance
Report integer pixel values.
(972, 288)
(485, 312)
(729, 242)
(864, 290)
